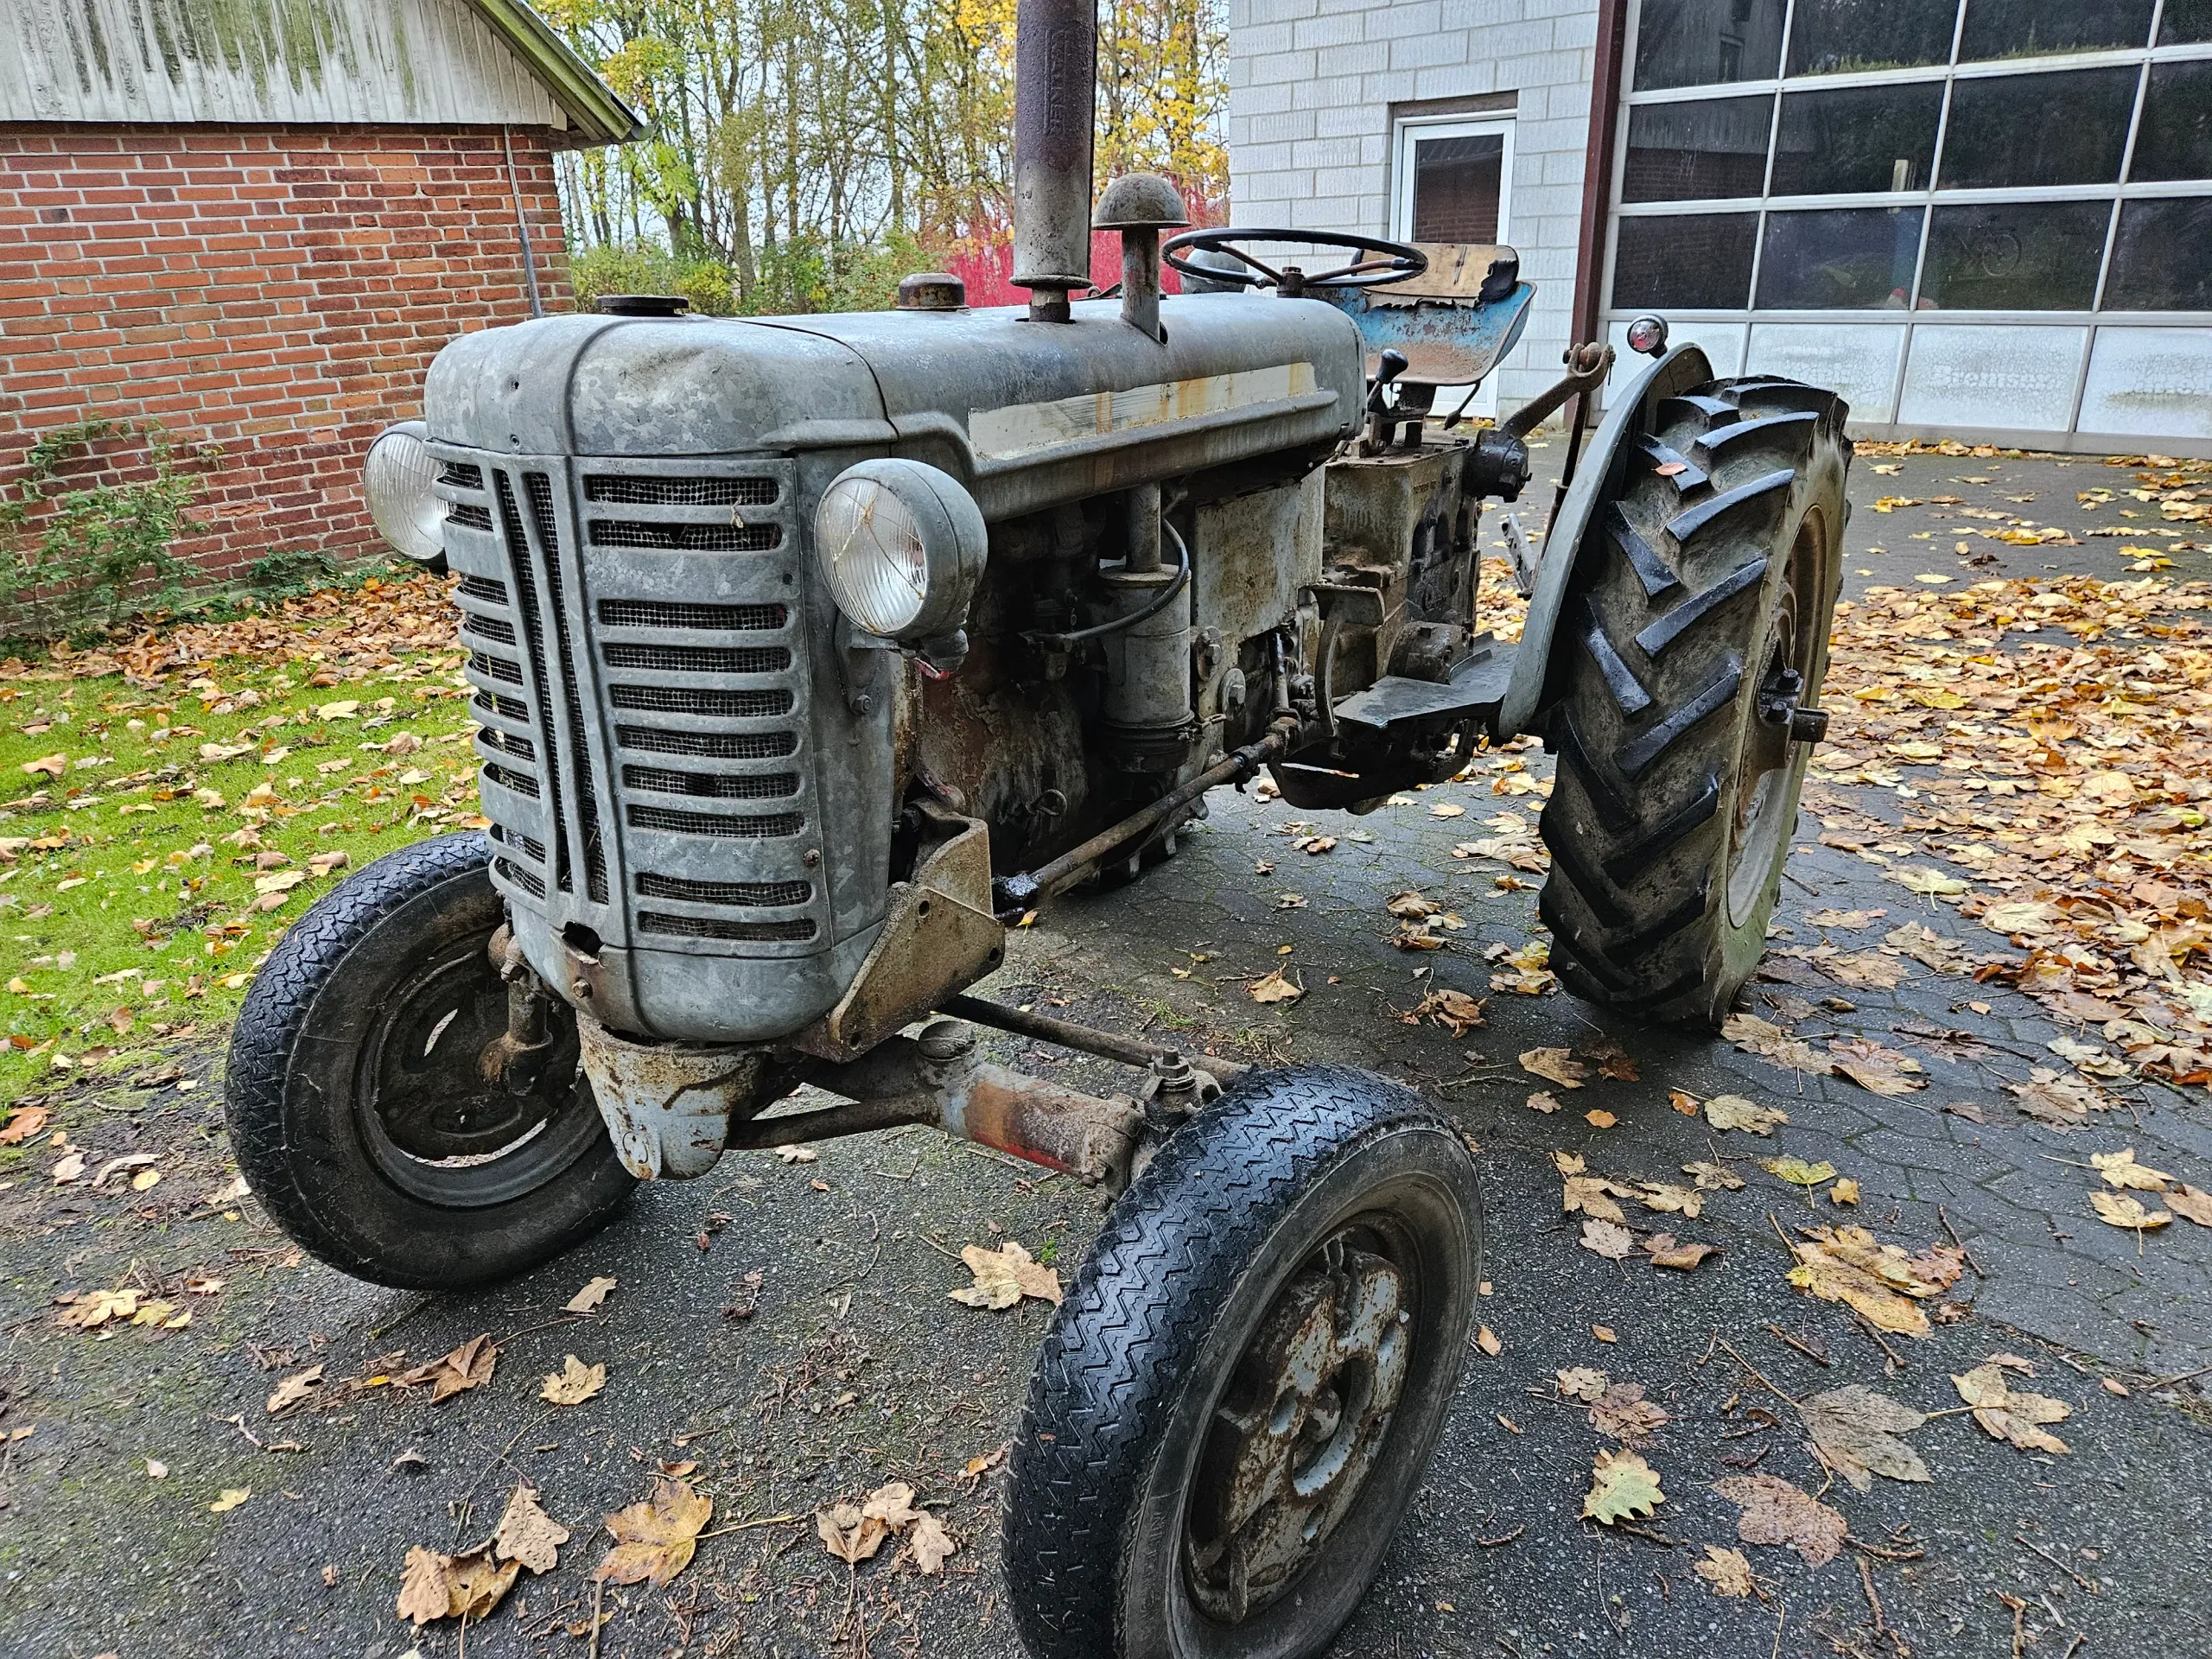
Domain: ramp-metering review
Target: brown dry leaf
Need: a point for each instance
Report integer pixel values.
(931, 1544)
(892, 1503)
(425, 1592)
(1771, 1042)
(1412, 906)
(1865, 969)
(2058, 1100)
(1776, 1512)
(1455, 1011)
(293, 1389)
(89, 1311)
(1672, 1200)
(1544, 1100)
(1872, 1066)
(479, 1583)
(1622, 1414)
(1688, 1104)
(1582, 1383)
(1666, 1252)
(1844, 1192)
(1592, 1195)
(527, 1534)
(26, 1122)
(2119, 1209)
(573, 1383)
(592, 1294)
(1853, 1431)
(2006, 1416)
(2192, 1204)
(1608, 1239)
(1726, 1571)
(849, 1535)
(1850, 920)
(1487, 1340)
(1734, 1112)
(655, 1539)
(1849, 1265)
(1004, 1276)
(468, 1366)
(1555, 1066)
(2120, 1169)
(1275, 989)
(1621, 1486)
(1711, 1176)
(1600, 1120)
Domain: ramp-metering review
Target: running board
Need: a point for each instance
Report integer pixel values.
(1395, 704)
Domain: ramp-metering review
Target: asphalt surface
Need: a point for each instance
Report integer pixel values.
(843, 1365)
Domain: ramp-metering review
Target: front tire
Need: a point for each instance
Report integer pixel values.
(1240, 1393)
(357, 1111)
(1696, 618)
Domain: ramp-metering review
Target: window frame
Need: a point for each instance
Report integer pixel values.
(1407, 130)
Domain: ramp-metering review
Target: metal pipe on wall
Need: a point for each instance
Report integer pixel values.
(1055, 94)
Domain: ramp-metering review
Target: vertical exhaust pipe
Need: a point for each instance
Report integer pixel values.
(1055, 94)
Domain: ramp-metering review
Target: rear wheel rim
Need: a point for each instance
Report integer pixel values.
(1765, 797)
(430, 1122)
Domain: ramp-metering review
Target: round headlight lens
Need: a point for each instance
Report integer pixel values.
(872, 555)
(397, 480)
(902, 547)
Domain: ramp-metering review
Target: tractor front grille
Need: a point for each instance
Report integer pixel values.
(641, 684)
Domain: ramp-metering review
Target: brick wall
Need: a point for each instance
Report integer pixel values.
(1312, 84)
(278, 291)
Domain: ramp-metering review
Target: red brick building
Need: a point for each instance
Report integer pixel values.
(258, 233)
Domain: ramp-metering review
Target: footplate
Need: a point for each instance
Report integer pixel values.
(1395, 704)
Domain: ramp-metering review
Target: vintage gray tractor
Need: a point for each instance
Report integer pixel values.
(812, 652)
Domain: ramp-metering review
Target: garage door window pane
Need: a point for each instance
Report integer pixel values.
(1841, 36)
(2175, 139)
(2162, 259)
(2020, 28)
(2067, 128)
(2015, 256)
(1851, 258)
(1711, 148)
(2184, 22)
(1857, 138)
(1455, 188)
(1701, 42)
(1694, 261)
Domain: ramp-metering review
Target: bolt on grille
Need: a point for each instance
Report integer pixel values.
(763, 895)
(703, 927)
(684, 699)
(729, 619)
(688, 538)
(681, 492)
(716, 745)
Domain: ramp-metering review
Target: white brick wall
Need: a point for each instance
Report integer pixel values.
(1311, 86)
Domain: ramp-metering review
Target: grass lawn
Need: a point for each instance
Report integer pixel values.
(177, 801)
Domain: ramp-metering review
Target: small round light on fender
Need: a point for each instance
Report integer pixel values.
(1648, 335)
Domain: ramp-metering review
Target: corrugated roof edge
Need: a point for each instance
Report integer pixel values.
(600, 114)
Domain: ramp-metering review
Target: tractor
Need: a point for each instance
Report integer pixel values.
(809, 654)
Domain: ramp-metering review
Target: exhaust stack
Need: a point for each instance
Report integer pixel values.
(1055, 94)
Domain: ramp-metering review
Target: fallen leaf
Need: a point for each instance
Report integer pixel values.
(1608, 1239)
(1600, 1120)
(1448, 809)
(1412, 906)
(1725, 1571)
(1688, 1104)
(1734, 1112)
(592, 1294)
(1555, 1066)
(527, 1534)
(1853, 1431)
(1622, 1414)
(1455, 1011)
(2192, 1204)
(231, 1498)
(1797, 1171)
(655, 1539)
(2121, 1210)
(1665, 1252)
(1621, 1486)
(1870, 1065)
(1004, 1276)
(1844, 1192)
(931, 1544)
(2007, 1416)
(293, 1389)
(1275, 989)
(1582, 1383)
(51, 764)
(1771, 1042)
(1776, 1512)
(1712, 1177)
(847, 1534)
(157, 1470)
(2120, 1169)
(468, 1366)
(27, 1121)
(1544, 1100)
(1487, 1340)
(573, 1383)
(425, 1591)
(321, 864)
(1849, 1265)
(798, 1155)
(1932, 883)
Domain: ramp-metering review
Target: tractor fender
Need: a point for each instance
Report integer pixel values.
(1598, 478)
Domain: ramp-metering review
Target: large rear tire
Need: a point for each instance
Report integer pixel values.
(1710, 583)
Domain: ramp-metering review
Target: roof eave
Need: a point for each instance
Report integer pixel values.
(598, 115)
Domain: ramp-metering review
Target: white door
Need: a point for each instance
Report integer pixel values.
(1454, 184)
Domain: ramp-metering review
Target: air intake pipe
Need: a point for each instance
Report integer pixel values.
(1055, 95)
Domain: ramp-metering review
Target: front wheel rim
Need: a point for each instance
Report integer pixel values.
(1764, 798)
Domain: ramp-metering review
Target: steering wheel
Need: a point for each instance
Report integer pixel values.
(1399, 262)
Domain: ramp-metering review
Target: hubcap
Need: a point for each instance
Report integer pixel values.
(1306, 1413)
(436, 1128)
(1765, 802)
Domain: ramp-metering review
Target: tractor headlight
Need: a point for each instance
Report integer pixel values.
(397, 480)
(902, 547)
